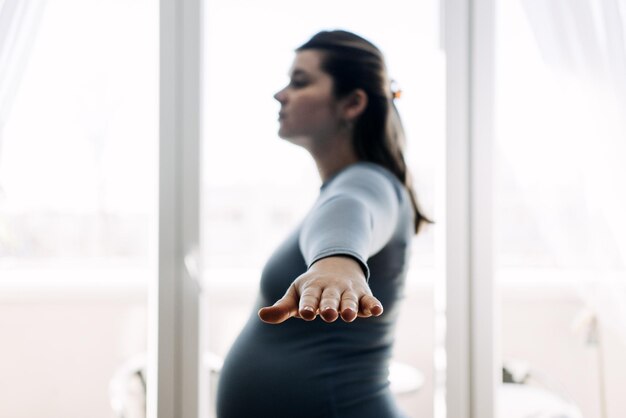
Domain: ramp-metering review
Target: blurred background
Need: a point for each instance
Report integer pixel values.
(79, 103)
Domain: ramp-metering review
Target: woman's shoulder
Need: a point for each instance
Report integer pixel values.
(369, 168)
(366, 174)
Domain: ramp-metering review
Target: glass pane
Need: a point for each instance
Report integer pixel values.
(78, 182)
(258, 187)
(560, 231)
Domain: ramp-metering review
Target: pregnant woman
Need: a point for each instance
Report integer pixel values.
(319, 341)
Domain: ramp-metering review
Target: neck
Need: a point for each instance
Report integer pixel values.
(330, 160)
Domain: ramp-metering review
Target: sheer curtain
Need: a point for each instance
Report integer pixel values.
(581, 206)
(19, 20)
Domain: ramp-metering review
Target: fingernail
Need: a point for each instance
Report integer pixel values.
(348, 315)
(308, 308)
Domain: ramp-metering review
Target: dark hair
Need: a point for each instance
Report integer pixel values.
(355, 63)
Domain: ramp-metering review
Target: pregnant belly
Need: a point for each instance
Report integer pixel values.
(276, 372)
(258, 380)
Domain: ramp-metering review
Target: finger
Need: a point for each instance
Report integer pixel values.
(370, 305)
(309, 302)
(349, 307)
(329, 304)
(283, 309)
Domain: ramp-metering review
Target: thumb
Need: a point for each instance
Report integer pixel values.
(282, 310)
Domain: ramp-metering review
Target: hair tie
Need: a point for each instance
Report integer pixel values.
(396, 93)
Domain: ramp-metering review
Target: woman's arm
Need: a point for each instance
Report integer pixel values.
(353, 220)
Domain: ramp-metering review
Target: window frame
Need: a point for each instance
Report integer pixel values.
(470, 340)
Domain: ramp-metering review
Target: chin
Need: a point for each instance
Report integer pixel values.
(285, 134)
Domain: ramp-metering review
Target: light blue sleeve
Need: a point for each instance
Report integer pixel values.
(356, 215)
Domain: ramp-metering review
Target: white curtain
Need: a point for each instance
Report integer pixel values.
(19, 21)
(584, 44)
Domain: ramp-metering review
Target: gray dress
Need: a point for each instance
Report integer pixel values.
(317, 369)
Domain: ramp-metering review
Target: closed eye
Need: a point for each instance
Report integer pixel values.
(298, 83)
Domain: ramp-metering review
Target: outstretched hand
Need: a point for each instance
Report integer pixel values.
(333, 287)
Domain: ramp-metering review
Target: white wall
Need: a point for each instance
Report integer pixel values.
(57, 354)
(537, 328)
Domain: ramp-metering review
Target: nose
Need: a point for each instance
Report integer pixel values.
(280, 95)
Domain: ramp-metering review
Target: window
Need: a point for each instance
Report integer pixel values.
(78, 182)
(78, 174)
(258, 187)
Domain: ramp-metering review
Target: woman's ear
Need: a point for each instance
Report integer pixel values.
(354, 104)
